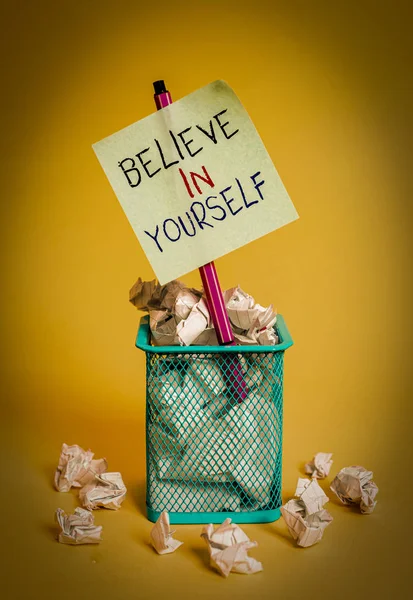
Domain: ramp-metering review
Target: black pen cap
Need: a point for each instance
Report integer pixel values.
(159, 87)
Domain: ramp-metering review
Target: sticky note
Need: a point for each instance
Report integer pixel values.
(195, 181)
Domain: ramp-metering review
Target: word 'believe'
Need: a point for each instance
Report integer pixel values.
(182, 144)
(203, 214)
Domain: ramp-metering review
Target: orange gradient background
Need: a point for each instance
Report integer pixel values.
(336, 119)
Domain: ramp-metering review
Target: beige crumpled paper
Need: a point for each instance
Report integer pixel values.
(163, 328)
(141, 293)
(320, 466)
(197, 326)
(77, 468)
(175, 296)
(106, 491)
(251, 322)
(228, 547)
(179, 315)
(354, 485)
(161, 536)
(306, 529)
(169, 328)
(78, 528)
(305, 517)
(311, 495)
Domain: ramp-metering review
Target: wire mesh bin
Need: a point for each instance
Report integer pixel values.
(209, 454)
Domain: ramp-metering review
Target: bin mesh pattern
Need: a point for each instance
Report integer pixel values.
(209, 450)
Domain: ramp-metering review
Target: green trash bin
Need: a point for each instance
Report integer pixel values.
(210, 456)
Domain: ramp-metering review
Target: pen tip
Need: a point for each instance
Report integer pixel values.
(159, 86)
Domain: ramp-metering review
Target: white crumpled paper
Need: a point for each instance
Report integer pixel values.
(228, 549)
(253, 423)
(197, 435)
(179, 315)
(354, 485)
(178, 407)
(204, 375)
(320, 466)
(305, 517)
(161, 536)
(106, 491)
(78, 528)
(242, 441)
(77, 468)
(186, 496)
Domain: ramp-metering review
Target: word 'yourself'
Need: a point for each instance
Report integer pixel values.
(187, 142)
(202, 215)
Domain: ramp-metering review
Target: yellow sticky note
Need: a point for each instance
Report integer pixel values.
(195, 181)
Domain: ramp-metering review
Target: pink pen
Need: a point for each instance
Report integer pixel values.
(215, 300)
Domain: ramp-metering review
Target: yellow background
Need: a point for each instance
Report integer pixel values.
(328, 86)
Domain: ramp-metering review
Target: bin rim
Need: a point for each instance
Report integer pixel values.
(144, 335)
